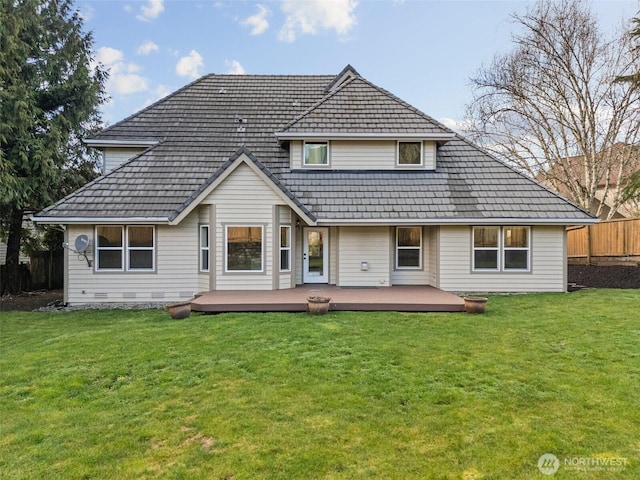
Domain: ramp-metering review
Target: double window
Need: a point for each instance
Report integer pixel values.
(244, 248)
(408, 248)
(316, 154)
(501, 248)
(120, 248)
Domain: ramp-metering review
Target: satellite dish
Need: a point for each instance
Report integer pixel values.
(82, 242)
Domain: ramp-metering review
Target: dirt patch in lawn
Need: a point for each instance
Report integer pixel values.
(28, 301)
(596, 276)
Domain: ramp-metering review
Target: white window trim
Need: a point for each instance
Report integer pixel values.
(121, 249)
(501, 249)
(410, 165)
(125, 249)
(226, 247)
(287, 249)
(316, 165)
(203, 249)
(420, 248)
(497, 249)
(527, 249)
(141, 249)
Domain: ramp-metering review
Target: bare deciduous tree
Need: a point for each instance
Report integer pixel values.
(552, 108)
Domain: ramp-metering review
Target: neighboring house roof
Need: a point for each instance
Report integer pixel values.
(617, 152)
(199, 133)
(556, 177)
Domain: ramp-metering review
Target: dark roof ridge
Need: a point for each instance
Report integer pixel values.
(319, 103)
(385, 92)
(343, 75)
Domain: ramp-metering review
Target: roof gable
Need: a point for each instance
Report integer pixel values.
(243, 157)
(359, 107)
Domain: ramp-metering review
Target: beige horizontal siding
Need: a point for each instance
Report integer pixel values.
(358, 244)
(244, 198)
(363, 155)
(175, 278)
(406, 276)
(547, 264)
(433, 234)
(113, 157)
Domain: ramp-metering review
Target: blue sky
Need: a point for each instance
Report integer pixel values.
(423, 51)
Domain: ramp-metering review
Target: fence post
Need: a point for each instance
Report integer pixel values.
(588, 244)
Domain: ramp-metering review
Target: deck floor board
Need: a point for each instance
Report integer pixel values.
(396, 298)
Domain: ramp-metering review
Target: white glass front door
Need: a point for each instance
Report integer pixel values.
(315, 255)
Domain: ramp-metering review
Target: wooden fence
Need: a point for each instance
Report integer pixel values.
(607, 242)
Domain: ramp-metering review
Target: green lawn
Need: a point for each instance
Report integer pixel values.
(133, 394)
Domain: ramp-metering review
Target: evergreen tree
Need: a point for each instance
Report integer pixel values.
(50, 91)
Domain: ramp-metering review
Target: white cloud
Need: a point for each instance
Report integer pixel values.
(190, 65)
(127, 8)
(109, 56)
(147, 47)
(258, 22)
(123, 78)
(310, 16)
(460, 126)
(127, 83)
(234, 67)
(151, 10)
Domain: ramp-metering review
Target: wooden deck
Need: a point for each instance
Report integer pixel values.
(397, 298)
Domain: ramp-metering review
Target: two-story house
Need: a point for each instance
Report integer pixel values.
(269, 182)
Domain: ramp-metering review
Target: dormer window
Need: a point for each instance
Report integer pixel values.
(316, 154)
(410, 154)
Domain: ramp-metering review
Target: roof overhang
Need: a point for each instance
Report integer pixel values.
(436, 137)
(101, 220)
(98, 143)
(453, 221)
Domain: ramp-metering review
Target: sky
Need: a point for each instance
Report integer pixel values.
(423, 51)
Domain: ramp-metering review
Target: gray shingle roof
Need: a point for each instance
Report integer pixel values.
(359, 107)
(468, 185)
(198, 134)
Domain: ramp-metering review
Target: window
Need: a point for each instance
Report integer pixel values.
(140, 248)
(409, 247)
(409, 153)
(516, 248)
(285, 248)
(109, 247)
(316, 153)
(204, 248)
(244, 248)
(118, 247)
(485, 248)
(501, 248)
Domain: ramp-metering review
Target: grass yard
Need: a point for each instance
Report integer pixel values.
(133, 394)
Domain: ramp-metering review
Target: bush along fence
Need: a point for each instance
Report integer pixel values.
(611, 242)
